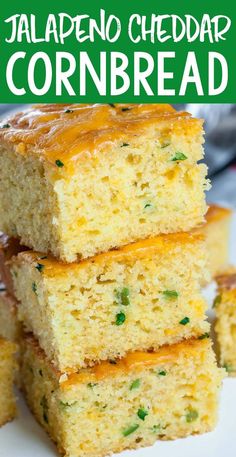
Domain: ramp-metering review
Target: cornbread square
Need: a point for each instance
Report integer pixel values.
(137, 297)
(217, 232)
(111, 407)
(8, 248)
(225, 325)
(7, 373)
(77, 180)
(10, 327)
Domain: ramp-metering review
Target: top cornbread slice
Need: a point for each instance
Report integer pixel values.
(77, 180)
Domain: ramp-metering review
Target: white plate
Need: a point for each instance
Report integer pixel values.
(25, 438)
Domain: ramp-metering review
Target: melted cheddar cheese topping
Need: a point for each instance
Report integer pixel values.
(140, 249)
(136, 361)
(64, 132)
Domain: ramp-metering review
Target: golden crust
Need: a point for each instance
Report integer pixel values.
(161, 243)
(136, 361)
(133, 361)
(65, 131)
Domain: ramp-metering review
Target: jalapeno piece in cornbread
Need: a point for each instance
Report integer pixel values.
(77, 180)
(126, 405)
(137, 297)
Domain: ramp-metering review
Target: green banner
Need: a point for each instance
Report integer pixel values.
(127, 51)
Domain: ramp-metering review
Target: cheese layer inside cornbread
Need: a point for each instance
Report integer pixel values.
(225, 325)
(138, 297)
(7, 374)
(81, 179)
(124, 404)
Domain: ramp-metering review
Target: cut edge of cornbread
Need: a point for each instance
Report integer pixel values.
(8, 248)
(225, 322)
(125, 404)
(7, 374)
(217, 232)
(10, 327)
(61, 194)
(135, 298)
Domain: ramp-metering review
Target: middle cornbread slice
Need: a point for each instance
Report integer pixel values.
(135, 298)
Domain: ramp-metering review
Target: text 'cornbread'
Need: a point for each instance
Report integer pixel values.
(138, 297)
(81, 179)
(111, 407)
(7, 374)
(225, 325)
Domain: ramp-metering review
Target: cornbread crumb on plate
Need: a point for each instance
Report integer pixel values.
(125, 404)
(225, 325)
(77, 180)
(217, 231)
(135, 298)
(7, 374)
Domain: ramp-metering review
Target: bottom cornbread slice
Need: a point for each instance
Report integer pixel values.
(7, 374)
(126, 403)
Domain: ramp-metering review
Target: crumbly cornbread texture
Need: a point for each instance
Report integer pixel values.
(225, 325)
(81, 179)
(138, 297)
(7, 373)
(10, 327)
(111, 407)
(217, 231)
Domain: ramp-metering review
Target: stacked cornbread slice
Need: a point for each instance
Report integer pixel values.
(7, 374)
(9, 336)
(225, 323)
(10, 327)
(83, 179)
(133, 298)
(216, 231)
(166, 394)
(116, 350)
